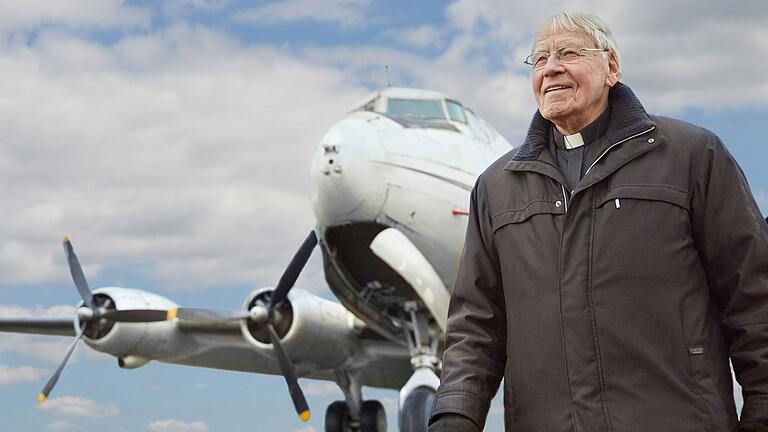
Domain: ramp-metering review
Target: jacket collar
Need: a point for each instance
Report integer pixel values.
(627, 118)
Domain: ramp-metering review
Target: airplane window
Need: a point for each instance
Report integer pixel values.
(419, 108)
(370, 105)
(456, 112)
(477, 126)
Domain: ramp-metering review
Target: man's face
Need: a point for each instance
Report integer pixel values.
(578, 92)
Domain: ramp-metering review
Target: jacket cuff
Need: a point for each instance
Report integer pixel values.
(754, 414)
(462, 403)
(452, 422)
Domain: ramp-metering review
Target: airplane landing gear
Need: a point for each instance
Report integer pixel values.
(337, 417)
(415, 413)
(372, 418)
(354, 414)
(418, 393)
(416, 397)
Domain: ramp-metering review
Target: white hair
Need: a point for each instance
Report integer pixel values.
(587, 23)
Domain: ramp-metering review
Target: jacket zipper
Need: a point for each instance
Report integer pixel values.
(614, 145)
(618, 205)
(565, 198)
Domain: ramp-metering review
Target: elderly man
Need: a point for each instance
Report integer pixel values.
(613, 264)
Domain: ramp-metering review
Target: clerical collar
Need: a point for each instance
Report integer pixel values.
(588, 135)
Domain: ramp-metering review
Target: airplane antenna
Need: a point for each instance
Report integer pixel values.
(386, 69)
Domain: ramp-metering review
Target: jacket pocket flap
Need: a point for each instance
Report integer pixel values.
(647, 192)
(518, 216)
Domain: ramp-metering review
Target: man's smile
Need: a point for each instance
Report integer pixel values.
(554, 88)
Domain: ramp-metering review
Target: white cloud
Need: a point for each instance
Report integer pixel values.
(40, 348)
(182, 169)
(350, 13)
(38, 311)
(75, 13)
(176, 426)
(306, 429)
(319, 388)
(72, 406)
(25, 263)
(13, 375)
(423, 36)
(61, 425)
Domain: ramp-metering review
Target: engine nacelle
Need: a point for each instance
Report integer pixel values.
(132, 362)
(122, 339)
(310, 328)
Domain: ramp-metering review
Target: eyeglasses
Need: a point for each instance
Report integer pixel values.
(567, 55)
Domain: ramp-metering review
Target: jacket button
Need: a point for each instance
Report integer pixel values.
(650, 140)
(558, 203)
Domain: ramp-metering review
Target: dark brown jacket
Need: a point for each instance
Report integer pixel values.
(614, 307)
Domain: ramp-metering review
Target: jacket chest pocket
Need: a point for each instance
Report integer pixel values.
(526, 212)
(639, 228)
(530, 224)
(650, 193)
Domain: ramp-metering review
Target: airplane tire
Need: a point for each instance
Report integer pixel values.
(416, 410)
(373, 418)
(337, 417)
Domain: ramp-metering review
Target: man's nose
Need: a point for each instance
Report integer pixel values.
(553, 66)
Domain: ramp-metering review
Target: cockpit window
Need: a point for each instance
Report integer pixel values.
(418, 108)
(455, 111)
(370, 105)
(478, 127)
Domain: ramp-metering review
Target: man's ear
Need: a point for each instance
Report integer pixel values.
(613, 70)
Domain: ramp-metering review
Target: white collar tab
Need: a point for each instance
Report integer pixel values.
(573, 141)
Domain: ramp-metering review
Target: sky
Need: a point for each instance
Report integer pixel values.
(171, 142)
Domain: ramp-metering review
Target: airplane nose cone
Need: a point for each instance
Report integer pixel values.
(344, 188)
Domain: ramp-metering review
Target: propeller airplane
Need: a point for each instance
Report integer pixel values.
(390, 187)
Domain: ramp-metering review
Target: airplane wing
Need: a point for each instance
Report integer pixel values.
(59, 326)
(281, 331)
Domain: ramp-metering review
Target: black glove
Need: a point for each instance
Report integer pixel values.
(452, 422)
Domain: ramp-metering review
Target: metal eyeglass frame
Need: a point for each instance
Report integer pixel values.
(529, 60)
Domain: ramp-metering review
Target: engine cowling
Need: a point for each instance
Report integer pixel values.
(122, 339)
(309, 327)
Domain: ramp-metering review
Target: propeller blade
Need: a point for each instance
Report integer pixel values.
(52, 381)
(297, 396)
(208, 315)
(135, 315)
(293, 270)
(77, 273)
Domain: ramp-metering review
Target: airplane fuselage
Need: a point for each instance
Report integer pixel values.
(387, 168)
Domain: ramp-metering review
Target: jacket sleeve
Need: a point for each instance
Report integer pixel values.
(732, 238)
(475, 348)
